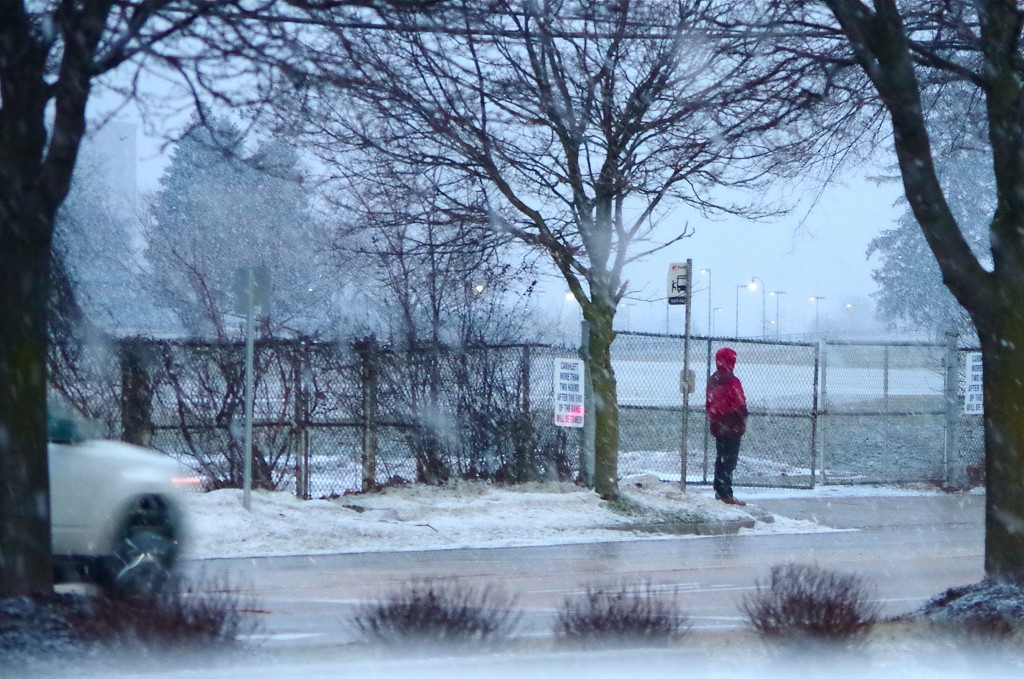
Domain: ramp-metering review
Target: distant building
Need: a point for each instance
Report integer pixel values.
(104, 239)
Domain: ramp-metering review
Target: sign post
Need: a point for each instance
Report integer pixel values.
(680, 277)
(252, 296)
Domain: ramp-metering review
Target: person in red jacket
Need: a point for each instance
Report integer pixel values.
(726, 407)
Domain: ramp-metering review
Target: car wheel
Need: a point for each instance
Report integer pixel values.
(146, 549)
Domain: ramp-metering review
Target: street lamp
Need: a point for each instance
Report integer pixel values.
(753, 287)
(708, 272)
(776, 294)
(716, 310)
(816, 299)
(741, 286)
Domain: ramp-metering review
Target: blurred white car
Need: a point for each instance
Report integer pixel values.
(115, 508)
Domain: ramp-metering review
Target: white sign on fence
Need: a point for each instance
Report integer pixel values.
(973, 397)
(568, 392)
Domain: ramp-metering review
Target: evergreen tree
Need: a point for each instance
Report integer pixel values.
(911, 290)
(220, 209)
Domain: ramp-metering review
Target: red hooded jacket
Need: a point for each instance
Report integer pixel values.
(726, 403)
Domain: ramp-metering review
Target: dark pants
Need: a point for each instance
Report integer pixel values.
(728, 453)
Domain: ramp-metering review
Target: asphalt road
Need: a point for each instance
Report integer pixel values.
(908, 548)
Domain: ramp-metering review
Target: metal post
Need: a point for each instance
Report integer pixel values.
(738, 288)
(764, 296)
(684, 452)
(369, 356)
(707, 426)
(247, 445)
(821, 406)
(301, 424)
(764, 318)
(885, 397)
(778, 323)
(526, 381)
(708, 272)
(814, 416)
(953, 471)
(521, 446)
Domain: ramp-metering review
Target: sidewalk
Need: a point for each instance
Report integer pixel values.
(865, 511)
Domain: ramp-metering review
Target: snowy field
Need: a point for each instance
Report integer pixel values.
(654, 383)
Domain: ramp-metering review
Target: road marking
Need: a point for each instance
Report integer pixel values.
(282, 636)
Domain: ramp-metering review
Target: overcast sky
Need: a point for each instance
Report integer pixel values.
(817, 250)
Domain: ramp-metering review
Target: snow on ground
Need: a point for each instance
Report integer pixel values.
(474, 514)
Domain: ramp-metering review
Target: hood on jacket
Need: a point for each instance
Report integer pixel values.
(725, 359)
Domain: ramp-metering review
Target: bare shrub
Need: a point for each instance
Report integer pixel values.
(627, 614)
(429, 613)
(205, 614)
(803, 604)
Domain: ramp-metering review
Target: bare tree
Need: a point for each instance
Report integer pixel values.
(51, 55)
(438, 284)
(447, 279)
(910, 56)
(579, 124)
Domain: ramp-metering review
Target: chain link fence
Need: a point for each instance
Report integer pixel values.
(779, 381)
(432, 414)
(885, 410)
(328, 418)
(332, 418)
(829, 412)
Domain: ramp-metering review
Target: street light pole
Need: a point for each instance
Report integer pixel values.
(739, 287)
(716, 310)
(764, 318)
(708, 272)
(776, 293)
(816, 299)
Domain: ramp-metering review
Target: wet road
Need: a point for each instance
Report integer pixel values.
(908, 548)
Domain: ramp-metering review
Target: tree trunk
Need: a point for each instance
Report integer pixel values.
(1003, 357)
(26, 563)
(606, 402)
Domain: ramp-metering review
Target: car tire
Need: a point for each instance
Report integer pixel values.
(145, 551)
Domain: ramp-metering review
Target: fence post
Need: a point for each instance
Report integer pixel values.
(707, 426)
(300, 426)
(523, 445)
(136, 393)
(368, 355)
(953, 471)
(526, 380)
(885, 396)
(820, 408)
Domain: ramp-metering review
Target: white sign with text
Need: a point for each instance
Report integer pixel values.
(568, 392)
(973, 395)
